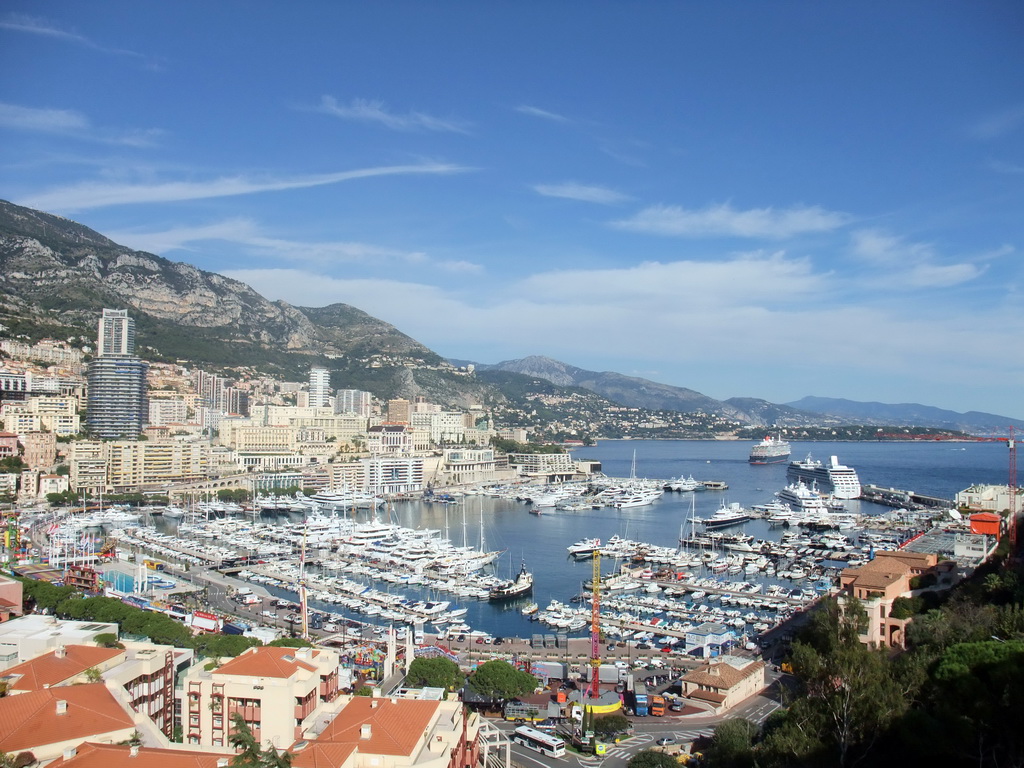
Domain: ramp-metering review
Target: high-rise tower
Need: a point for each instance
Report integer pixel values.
(117, 333)
(117, 401)
(319, 387)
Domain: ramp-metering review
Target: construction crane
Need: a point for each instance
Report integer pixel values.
(1011, 484)
(595, 629)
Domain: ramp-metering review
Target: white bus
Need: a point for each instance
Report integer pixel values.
(546, 744)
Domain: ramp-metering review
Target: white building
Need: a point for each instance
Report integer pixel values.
(319, 388)
(354, 401)
(393, 474)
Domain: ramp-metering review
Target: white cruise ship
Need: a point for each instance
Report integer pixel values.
(833, 479)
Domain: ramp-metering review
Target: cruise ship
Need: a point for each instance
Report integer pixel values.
(771, 450)
(831, 479)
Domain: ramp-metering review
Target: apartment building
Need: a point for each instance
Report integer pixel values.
(469, 465)
(279, 692)
(40, 449)
(878, 583)
(393, 474)
(550, 466)
(126, 465)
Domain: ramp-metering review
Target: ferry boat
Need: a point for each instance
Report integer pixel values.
(771, 450)
(506, 590)
(832, 479)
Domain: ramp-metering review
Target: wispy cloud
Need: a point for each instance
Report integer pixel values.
(321, 254)
(587, 193)
(1000, 166)
(526, 109)
(367, 111)
(916, 265)
(998, 124)
(42, 120)
(724, 220)
(99, 194)
(36, 26)
(69, 122)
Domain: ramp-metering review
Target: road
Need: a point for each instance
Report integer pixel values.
(647, 731)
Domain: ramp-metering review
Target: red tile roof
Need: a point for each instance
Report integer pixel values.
(120, 756)
(318, 755)
(30, 720)
(396, 726)
(265, 661)
(52, 668)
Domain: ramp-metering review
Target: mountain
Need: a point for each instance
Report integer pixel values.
(57, 275)
(906, 414)
(625, 390)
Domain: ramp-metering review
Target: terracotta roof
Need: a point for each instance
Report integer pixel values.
(319, 755)
(716, 698)
(396, 726)
(265, 661)
(30, 720)
(120, 756)
(53, 669)
(721, 675)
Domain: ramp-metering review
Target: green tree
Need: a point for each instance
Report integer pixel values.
(290, 642)
(498, 679)
(223, 645)
(609, 725)
(242, 739)
(732, 744)
(652, 758)
(974, 699)
(846, 696)
(438, 672)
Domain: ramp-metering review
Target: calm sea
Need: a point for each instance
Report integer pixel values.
(935, 469)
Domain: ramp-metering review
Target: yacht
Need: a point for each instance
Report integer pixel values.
(584, 548)
(506, 590)
(833, 478)
(683, 484)
(732, 514)
(798, 496)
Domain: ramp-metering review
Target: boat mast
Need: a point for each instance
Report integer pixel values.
(303, 600)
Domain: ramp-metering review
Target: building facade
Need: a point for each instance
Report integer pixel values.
(279, 693)
(118, 405)
(319, 388)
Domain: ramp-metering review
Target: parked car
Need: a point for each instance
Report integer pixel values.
(664, 741)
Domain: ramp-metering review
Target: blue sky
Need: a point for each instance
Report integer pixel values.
(748, 199)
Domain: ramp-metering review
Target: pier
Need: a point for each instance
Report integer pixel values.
(894, 497)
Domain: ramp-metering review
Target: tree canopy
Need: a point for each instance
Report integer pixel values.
(500, 680)
(437, 672)
(652, 758)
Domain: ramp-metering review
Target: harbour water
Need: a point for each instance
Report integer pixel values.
(540, 541)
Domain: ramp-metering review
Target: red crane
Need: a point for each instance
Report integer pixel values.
(595, 629)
